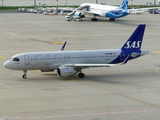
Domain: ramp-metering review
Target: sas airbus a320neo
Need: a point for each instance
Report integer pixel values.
(69, 63)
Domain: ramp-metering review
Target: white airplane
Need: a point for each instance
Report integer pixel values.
(69, 63)
(94, 10)
(112, 12)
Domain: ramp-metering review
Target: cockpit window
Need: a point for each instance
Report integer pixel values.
(16, 59)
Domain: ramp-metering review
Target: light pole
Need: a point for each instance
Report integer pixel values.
(131, 3)
(154, 2)
(56, 11)
(2, 3)
(34, 2)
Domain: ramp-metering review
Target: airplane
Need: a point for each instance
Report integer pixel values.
(111, 12)
(70, 63)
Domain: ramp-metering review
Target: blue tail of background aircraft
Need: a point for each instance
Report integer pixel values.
(124, 4)
(135, 40)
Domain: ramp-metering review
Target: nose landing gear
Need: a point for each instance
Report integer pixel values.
(24, 76)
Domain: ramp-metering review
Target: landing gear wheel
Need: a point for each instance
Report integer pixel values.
(111, 19)
(94, 19)
(24, 76)
(81, 75)
(83, 16)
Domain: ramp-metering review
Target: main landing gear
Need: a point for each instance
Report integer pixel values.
(111, 19)
(94, 19)
(24, 76)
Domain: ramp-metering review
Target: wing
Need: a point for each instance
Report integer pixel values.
(84, 66)
(94, 65)
(139, 10)
(63, 46)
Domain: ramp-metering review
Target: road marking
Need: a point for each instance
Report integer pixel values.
(119, 94)
(78, 115)
(157, 70)
(56, 42)
(2, 57)
(73, 80)
(155, 51)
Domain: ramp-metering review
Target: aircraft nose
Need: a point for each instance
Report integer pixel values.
(7, 65)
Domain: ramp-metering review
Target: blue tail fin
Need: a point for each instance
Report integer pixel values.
(124, 4)
(135, 40)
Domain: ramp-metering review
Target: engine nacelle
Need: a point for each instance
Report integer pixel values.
(46, 70)
(66, 72)
(78, 15)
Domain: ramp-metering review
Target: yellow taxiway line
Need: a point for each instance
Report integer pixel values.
(2, 57)
(155, 51)
(73, 80)
(56, 42)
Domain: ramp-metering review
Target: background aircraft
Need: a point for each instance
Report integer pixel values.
(69, 63)
(94, 10)
(111, 12)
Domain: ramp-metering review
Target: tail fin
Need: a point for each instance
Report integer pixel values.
(135, 40)
(124, 4)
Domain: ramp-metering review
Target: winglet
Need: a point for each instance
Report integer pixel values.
(63, 46)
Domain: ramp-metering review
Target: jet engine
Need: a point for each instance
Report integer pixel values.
(66, 72)
(78, 15)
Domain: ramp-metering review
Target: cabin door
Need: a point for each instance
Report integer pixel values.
(26, 58)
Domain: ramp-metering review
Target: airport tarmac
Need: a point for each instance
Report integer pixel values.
(125, 92)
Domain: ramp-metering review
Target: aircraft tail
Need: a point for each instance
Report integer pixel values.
(124, 4)
(135, 40)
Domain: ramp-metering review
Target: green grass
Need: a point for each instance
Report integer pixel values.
(13, 8)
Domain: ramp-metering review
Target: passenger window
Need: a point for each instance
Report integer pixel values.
(16, 59)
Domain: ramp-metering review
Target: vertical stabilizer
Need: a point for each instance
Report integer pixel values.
(135, 40)
(124, 4)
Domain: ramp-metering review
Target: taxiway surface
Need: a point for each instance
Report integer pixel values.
(126, 92)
